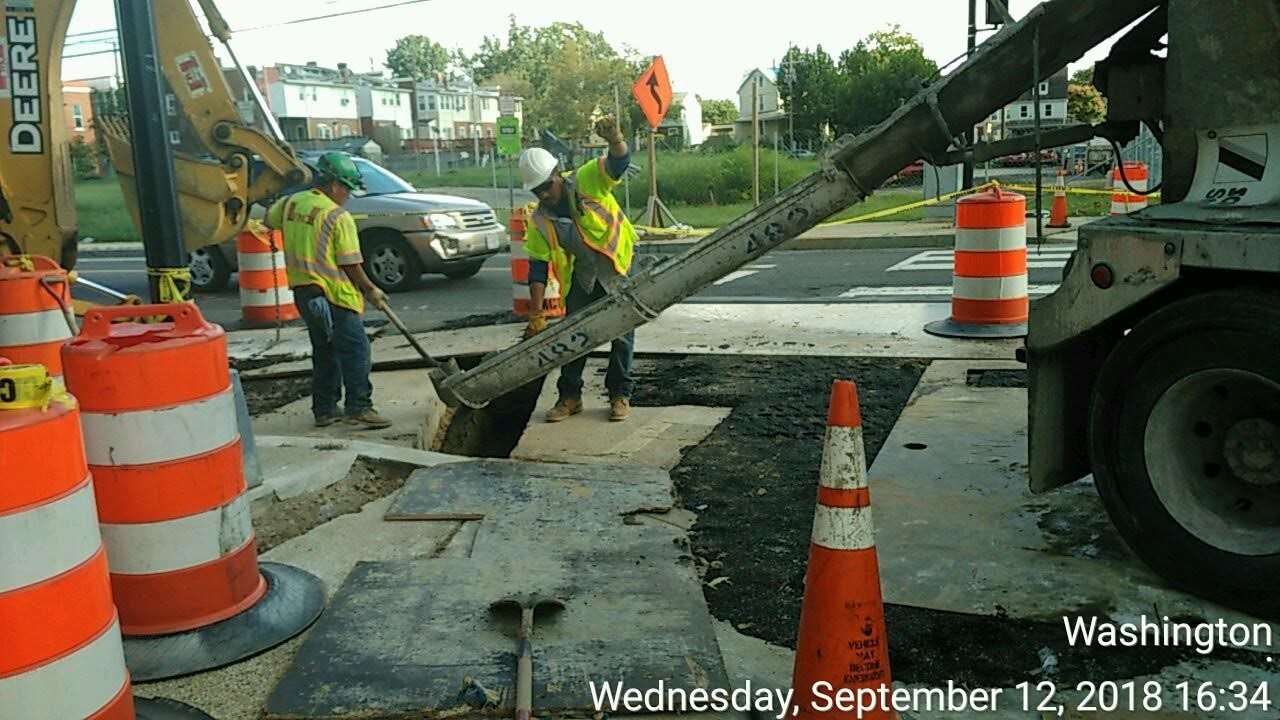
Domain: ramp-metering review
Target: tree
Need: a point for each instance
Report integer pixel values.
(84, 158)
(719, 112)
(1085, 104)
(417, 57)
(809, 86)
(1083, 76)
(880, 73)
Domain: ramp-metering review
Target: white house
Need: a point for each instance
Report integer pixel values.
(689, 122)
(459, 114)
(311, 102)
(386, 112)
(772, 116)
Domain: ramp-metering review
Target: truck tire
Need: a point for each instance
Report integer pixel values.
(1175, 407)
(210, 271)
(391, 263)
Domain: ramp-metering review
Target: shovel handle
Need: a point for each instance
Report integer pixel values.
(385, 307)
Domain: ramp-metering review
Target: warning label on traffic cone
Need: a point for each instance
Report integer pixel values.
(1058, 213)
(842, 646)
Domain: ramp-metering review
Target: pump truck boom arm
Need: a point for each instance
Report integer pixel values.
(1059, 32)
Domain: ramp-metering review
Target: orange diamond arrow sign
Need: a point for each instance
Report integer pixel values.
(653, 91)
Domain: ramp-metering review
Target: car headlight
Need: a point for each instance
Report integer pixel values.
(438, 221)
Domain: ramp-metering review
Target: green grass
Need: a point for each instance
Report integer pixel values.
(470, 176)
(101, 212)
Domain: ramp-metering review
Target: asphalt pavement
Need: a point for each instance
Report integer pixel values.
(802, 277)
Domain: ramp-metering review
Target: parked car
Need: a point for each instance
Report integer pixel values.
(802, 154)
(403, 233)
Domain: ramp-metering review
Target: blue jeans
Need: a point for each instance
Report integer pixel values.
(618, 379)
(339, 356)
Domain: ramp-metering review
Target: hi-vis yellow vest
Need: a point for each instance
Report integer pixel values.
(319, 237)
(601, 223)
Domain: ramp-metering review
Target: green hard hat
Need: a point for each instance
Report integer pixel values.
(338, 166)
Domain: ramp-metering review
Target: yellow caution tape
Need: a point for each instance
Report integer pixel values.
(23, 387)
(175, 283)
(1078, 191)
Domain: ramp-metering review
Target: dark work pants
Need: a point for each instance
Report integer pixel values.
(340, 356)
(618, 379)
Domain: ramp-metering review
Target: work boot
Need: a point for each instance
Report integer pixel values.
(327, 419)
(369, 419)
(619, 409)
(563, 408)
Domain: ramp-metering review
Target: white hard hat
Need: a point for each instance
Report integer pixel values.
(536, 167)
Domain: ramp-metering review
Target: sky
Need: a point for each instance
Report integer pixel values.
(708, 47)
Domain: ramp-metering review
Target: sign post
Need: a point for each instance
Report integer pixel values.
(653, 91)
(508, 129)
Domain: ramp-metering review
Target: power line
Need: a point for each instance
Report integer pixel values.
(296, 21)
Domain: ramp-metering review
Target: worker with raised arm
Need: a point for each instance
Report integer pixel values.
(326, 273)
(579, 237)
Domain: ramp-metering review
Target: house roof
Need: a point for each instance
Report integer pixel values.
(753, 73)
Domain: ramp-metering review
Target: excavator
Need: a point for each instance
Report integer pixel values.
(1154, 366)
(215, 192)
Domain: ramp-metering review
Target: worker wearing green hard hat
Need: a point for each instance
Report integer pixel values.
(336, 166)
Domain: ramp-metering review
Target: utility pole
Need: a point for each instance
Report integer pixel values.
(967, 181)
(153, 176)
(755, 144)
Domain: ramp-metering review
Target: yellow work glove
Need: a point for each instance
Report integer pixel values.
(607, 128)
(537, 323)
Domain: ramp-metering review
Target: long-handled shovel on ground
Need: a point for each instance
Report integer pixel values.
(438, 370)
(528, 604)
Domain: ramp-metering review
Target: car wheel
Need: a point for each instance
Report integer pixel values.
(463, 271)
(210, 271)
(1184, 439)
(391, 263)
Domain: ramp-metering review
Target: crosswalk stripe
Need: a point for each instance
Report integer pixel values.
(1046, 257)
(739, 274)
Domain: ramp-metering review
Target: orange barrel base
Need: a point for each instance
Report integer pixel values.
(989, 284)
(552, 303)
(33, 326)
(160, 430)
(265, 297)
(1123, 201)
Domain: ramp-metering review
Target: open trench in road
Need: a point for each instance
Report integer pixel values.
(752, 483)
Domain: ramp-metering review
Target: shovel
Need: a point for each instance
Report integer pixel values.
(527, 604)
(439, 371)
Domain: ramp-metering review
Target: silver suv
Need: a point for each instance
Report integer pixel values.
(403, 234)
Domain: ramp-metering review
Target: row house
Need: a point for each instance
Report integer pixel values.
(312, 102)
(456, 115)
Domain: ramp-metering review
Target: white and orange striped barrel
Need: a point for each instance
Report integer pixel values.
(1124, 202)
(161, 439)
(61, 655)
(265, 296)
(842, 638)
(520, 300)
(989, 283)
(33, 324)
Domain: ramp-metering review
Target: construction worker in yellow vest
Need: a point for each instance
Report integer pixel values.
(326, 272)
(579, 237)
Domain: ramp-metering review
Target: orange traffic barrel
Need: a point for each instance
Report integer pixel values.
(1123, 201)
(60, 647)
(552, 305)
(989, 282)
(842, 639)
(160, 436)
(35, 302)
(265, 297)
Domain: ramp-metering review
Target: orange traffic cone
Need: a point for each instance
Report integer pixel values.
(1058, 213)
(842, 647)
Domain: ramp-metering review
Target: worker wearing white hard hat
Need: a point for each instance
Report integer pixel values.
(579, 238)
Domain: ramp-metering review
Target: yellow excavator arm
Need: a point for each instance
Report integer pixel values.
(215, 192)
(214, 196)
(37, 208)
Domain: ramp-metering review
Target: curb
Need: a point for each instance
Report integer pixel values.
(894, 242)
(120, 248)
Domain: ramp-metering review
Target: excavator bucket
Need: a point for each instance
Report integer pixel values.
(209, 193)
